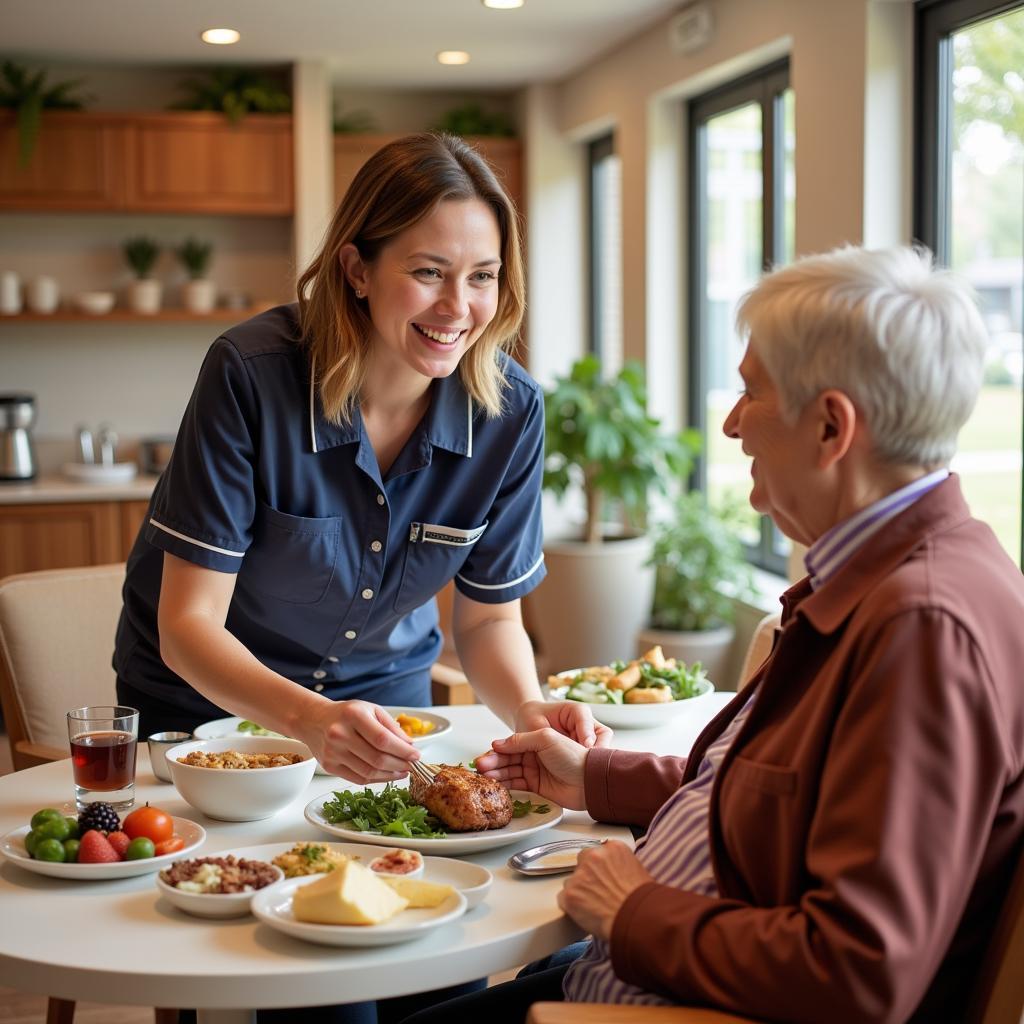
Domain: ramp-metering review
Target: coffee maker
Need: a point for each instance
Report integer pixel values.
(17, 457)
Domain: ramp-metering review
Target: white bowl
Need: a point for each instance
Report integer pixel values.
(96, 303)
(241, 794)
(98, 473)
(211, 904)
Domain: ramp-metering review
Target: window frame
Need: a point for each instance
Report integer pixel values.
(935, 23)
(766, 86)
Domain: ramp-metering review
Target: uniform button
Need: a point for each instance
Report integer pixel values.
(332, 659)
(380, 499)
(350, 634)
(376, 546)
(319, 674)
(367, 593)
(319, 687)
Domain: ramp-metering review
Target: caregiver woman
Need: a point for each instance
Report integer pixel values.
(342, 459)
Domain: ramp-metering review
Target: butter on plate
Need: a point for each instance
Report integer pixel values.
(421, 895)
(351, 894)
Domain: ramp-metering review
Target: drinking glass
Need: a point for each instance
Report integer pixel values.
(103, 747)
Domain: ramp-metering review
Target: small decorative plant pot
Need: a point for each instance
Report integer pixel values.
(199, 295)
(144, 296)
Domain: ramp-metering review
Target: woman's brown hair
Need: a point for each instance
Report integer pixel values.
(399, 185)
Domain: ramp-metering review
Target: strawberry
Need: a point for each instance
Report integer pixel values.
(95, 848)
(119, 841)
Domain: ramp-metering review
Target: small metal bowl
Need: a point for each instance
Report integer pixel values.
(558, 856)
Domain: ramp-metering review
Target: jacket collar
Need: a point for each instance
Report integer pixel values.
(448, 423)
(831, 604)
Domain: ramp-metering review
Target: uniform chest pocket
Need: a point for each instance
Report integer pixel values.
(292, 558)
(433, 555)
(771, 779)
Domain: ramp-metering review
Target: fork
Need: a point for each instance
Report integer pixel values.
(424, 772)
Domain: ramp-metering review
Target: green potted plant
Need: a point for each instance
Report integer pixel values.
(699, 568)
(601, 440)
(199, 294)
(473, 119)
(235, 92)
(29, 95)
(145, 292)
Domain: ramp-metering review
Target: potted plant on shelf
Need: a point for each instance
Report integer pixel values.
(145, 292)
(235, 92)
(199, 294)
(601, 439)
(699, 569)
(29, 95)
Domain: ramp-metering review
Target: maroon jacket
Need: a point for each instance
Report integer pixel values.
(866, 820)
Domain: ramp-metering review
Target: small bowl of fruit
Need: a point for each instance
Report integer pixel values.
(97, 843)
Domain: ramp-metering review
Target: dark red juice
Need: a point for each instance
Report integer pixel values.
(104, 760)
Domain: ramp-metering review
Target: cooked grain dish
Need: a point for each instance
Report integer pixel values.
(309, 859)
(219, 875)
(236, 759)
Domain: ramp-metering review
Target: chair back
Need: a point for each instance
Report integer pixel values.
(998, 995)
(56, 640)
(759, 648)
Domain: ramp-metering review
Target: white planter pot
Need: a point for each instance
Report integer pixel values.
(711, 647)
(199, 296)
(593, 602)
(144, 296)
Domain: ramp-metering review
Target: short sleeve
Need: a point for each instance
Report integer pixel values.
(205, 501)
(507, 562)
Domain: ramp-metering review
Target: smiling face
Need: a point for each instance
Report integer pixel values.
(432, 290)
(784, 455)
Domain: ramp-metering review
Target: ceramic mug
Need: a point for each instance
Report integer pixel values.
(10, 293)
(43, 295)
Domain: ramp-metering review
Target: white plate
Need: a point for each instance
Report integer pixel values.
(634, 716)
(471, 880)
(12, 846)
(273, 906)
(456, 842)
(441, 724)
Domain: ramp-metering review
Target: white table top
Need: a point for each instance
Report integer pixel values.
(118, 942)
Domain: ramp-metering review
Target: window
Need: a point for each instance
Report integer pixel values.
(605, 220)
(741, 203)
(970, 212)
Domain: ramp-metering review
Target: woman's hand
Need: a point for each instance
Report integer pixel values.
(604, 878)
(544, 762)
(361, 742)
(569, 717)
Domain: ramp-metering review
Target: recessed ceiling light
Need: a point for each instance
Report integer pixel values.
(503, 5)
(220, 36)
(453, 57)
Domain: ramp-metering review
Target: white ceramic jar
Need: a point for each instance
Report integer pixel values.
(43, 295)
(10, 293)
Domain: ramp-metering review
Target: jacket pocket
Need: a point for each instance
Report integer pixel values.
(774, 780)
(433, 555)
(292, 558)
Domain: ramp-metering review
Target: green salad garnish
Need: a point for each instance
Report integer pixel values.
(255, 730)
(390, 812)
(521, 808)
(683, 681)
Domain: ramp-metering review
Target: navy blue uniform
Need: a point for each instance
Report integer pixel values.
(337, 568)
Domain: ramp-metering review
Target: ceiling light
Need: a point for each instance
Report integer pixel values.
(503, 5)
(453, 57)
(220, 36)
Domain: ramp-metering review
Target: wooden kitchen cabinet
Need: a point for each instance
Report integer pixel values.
(61, 535)
(175, 162)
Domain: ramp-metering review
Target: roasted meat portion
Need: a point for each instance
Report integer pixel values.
(463, 800)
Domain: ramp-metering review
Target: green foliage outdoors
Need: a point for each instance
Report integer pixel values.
(28, 94)
(140, 253)
(235, 92)
(699, 565)
(599, 436)
(195, 256)
(473, 119)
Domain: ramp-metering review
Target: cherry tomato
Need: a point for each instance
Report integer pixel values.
(172, 845)
(150, 822)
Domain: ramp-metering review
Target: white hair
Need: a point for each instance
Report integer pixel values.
(904, 340)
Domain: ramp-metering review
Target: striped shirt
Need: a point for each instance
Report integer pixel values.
(834, 548)
(675, 851)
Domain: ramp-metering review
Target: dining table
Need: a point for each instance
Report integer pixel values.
(119, 941)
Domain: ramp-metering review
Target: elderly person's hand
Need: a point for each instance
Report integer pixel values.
(568, 717)
(543, 761)
(603, 880)
(360, 742)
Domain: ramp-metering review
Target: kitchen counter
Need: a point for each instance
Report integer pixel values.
(53, 487)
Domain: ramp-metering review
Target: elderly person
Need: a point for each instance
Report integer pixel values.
(838, 842)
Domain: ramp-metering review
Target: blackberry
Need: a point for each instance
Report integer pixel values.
(100, 816)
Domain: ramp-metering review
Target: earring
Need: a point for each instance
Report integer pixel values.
(359, 293)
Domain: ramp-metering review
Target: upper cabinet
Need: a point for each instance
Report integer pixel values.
(504, 156)
(151, 163)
